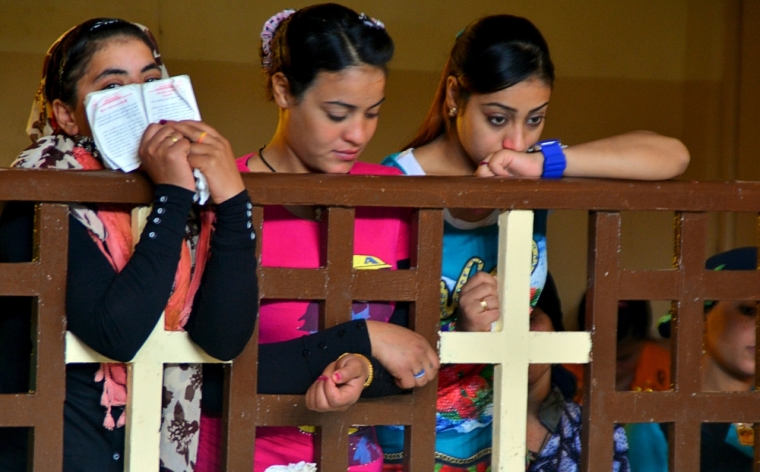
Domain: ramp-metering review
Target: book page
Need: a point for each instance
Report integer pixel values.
(117, 120)
(170, 99)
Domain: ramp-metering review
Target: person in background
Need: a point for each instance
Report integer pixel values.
(554, 420)
(643, 364)
(728, 365)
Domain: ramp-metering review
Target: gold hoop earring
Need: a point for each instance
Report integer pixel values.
(453, 112)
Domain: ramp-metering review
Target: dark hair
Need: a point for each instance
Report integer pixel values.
(741, 258)
(326, 37)
(549, 302)
(70, 58)
(491, 54)
(634, 318)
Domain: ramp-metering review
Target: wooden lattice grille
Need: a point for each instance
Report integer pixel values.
(685, 408)
(45, 279)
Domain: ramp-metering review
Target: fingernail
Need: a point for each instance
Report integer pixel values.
(337, 376)
(163, 122)
(321, 378)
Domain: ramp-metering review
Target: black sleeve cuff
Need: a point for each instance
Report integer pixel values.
(320, 349)
(383, 383)
(168, 217)
(290, 367)
(234, 228)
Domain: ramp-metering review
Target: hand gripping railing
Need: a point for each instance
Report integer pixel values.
(512, 348)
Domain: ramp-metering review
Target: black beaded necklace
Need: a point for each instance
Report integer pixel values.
(317, 210)
(261, 156)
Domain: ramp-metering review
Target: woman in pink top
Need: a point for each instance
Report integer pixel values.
(325, 69)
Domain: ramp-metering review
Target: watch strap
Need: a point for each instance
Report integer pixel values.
(554, 158)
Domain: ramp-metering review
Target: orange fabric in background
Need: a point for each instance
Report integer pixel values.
(652, 372)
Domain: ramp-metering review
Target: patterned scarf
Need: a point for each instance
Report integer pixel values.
(110, 227)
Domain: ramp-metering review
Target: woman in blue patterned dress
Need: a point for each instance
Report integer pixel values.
(486, 120)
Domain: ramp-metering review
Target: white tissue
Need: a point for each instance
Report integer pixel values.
(201, 188)
(300, 467)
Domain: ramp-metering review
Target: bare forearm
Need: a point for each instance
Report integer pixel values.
(638, 155)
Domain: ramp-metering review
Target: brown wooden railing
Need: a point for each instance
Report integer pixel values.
(688, 283)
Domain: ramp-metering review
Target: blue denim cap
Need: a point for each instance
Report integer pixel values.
(743, 258)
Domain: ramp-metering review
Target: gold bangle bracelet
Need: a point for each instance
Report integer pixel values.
(371, 375)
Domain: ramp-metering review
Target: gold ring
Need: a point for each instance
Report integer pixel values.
(173, 138)
(484, 304)
(201, 137)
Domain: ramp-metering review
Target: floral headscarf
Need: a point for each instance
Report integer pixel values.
(53, 149)
(110, 228)
(41, 119)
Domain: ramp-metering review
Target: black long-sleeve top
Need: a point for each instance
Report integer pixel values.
(114, 313)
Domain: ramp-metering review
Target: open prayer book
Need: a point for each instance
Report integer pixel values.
(118, 118)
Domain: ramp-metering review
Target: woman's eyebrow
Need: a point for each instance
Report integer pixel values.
(354, 107)
(378, 103)
(111, 71)
(115, 71)
(149, 67)
(514, 110)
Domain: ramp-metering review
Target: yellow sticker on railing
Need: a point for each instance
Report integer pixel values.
(369, 263)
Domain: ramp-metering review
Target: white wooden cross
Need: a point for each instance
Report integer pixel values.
(145, 375)
(512, 346)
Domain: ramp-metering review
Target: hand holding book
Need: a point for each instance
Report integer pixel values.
(210, 153)
(119, 118)
(164, 155)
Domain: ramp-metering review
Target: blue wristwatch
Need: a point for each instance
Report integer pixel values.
(554, 158)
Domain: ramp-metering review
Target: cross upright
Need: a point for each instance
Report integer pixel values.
(511, 346)
(145, 375)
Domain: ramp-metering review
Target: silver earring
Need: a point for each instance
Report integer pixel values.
(453, 112)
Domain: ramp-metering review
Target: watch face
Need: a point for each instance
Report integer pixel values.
(545, 143)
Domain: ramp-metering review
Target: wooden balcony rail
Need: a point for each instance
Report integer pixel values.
(512, 346)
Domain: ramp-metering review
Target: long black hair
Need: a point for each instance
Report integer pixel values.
(326, 37)
(491, 54)
(634, 318)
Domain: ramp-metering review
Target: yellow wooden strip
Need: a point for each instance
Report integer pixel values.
(510, 379)
(143, 433)
(79, 352)
(560, 348)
